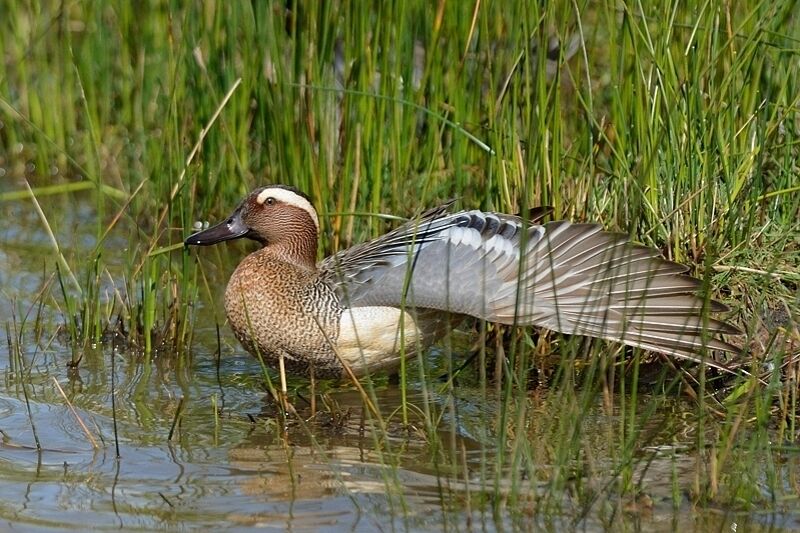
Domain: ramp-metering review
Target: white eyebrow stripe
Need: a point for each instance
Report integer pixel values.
(289, 198)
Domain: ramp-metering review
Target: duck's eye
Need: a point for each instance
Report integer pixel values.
(270, 200)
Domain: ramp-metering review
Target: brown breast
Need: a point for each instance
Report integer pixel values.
(276, 307)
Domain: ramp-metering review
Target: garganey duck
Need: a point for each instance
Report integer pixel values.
(370, 305)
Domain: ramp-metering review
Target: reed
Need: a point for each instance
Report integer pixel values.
(675, 122)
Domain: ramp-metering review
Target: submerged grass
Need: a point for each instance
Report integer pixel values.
(675, 122)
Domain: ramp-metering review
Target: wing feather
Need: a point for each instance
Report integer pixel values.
(573, 278)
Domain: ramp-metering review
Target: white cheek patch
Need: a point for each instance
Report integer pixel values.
(289, 198)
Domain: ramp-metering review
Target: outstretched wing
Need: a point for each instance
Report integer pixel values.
(572, 278)
(447, 261)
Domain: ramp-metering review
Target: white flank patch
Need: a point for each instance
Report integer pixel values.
(370, 337)
(289, 198)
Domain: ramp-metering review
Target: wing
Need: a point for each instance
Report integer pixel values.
(445, 261)
(572, 278)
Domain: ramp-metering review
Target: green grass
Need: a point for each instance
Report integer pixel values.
(675, 122)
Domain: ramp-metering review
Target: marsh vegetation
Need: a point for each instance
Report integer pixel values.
(126, 400)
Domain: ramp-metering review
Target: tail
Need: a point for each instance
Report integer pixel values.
(580, 279)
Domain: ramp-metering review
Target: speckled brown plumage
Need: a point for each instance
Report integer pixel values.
(300, 313)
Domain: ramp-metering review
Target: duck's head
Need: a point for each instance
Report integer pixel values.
(275, 215)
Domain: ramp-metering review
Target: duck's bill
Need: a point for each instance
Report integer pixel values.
(232, 228)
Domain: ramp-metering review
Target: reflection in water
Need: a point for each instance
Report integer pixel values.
(342, 474)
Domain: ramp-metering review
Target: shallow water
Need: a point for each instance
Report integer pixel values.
(233, 463)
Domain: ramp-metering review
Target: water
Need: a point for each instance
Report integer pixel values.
(232, 463)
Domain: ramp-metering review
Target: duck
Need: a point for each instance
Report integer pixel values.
(362, 310)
